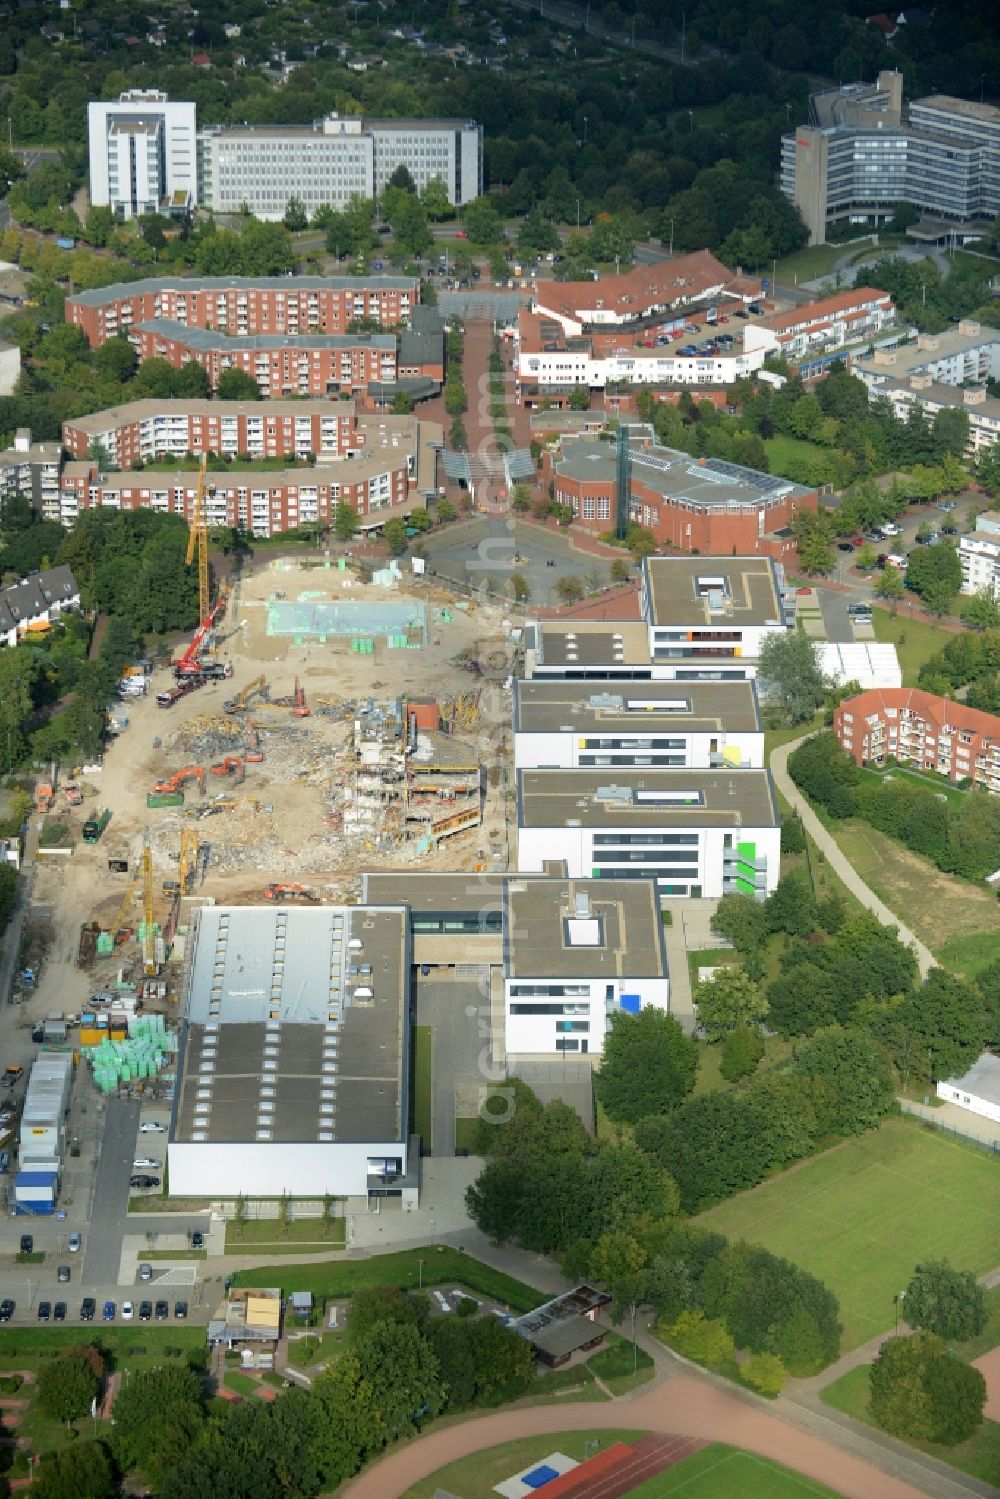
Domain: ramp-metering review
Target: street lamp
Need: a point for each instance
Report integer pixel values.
(420, 1275)
(899, 1298)
(691, 118)
(586, 122)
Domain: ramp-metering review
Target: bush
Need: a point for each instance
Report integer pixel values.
(10, 1384)
(765, 1373)
(920, 1390)
(619, 1360)
(705, 1340)
(741, 1051)
(466, 1307)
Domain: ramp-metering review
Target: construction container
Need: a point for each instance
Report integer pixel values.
(424, 712)
(164, 799)
(35, 1192)
(91, 1036)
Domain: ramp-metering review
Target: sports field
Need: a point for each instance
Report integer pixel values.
(860, 1216)
(721, 1472)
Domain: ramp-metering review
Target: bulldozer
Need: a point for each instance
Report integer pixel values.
(232, 765)
(176, 781)
(289, 892)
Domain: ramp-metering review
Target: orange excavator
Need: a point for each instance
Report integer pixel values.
(289, 892)
(232, 765)
(176, 781)
(254, 754)
(72, 793)
(295, 700)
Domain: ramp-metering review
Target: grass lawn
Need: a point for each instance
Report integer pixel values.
(710, 957)
(315, 1349)
(720, 1472)
(784, 450)
(861, 1215)
(710, 1079)
(810, 263)
(915, 640)
(980, 1455)
(925, 781)
(303, 1235)
(958, 921)
(775, 737)
(441, 1265)
(621, 1365)
(175, 1254)
(465, 1134)
(423, 1041)
(240, 1384)
(473, 1477)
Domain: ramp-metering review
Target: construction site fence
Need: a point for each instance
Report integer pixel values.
(916, 1112)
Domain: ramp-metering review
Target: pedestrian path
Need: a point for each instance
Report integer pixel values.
(837, 860)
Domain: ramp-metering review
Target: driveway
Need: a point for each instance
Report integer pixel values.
(453, 1008)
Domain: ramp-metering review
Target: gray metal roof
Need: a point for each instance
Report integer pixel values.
(621, 935)
(295, 1025)
(982, 1081)
(208, 339)
(103, 295)
(684, 591)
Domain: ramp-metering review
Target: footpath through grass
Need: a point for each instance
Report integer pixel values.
(440, 1265)
(860, 1216)
(979, 1456)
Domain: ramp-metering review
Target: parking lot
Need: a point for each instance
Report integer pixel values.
(489, 550)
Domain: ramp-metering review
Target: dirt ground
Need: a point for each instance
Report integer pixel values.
(989, 1368)
(275, 828)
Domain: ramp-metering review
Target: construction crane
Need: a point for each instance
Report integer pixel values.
(149, 931)
(189, 859)
(119, 920)
(198, 537)
(189, 661)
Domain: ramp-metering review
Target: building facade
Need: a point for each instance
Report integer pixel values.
(30, 470)
(644, 294)
(142, 153)
(393, 473)
(864, 150)
(705, 725)
(921, 729)
(141, 430)
(695, 832)
(36, 601)
(332, 160)
(941, 372)
(282, 365)
(979, 554)
(827, 325)
(288, 306)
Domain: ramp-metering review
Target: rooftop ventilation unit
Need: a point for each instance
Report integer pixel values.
(619, 794)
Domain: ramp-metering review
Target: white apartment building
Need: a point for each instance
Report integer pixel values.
(938, 372)
(142, 153)
(571, 725)
(332, 160)
(826, 325)
(979, 554)
(696, 832)
(31, 470)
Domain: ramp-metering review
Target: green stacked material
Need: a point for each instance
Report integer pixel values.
(149, 1048)
(105, 944)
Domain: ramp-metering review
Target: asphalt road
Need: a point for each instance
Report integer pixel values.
(109, 1212)
(459, 1016)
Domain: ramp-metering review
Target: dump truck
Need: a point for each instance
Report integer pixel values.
(165, 799)
(73, 794)
(45, 796)
(94, 826)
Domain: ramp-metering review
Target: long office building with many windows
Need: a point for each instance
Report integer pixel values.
(864, 150)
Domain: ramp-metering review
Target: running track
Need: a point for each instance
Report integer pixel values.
(675, 1406)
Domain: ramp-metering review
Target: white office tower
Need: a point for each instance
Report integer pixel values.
(143, 154)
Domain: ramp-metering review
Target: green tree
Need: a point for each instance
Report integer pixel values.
(935, 573)
(520, 499)
(791, 676)
(403, 1373)
(191, 381)
(435, 199)
(765, 1373)
(570, 590)
(648, 1066)
(236, 385)
(727, 1000)
(394, 532)
(947, 1019)
(402, 180)
(154, 377)
(742, 1049)
(295, 216)
(519, 587)
(918, 1390)
(345, 520)
(402, 404)
(115, 359)
(83, 1471)
(640, 541)
(742, 921)
(890, 587)
(619, 1261)
(378, 1305)
(67, 1384)
(705, 1340)
(446, 509)
(579, 398)
(947, 1301)
(159, 1414)
(981, 611)
(857, 1077)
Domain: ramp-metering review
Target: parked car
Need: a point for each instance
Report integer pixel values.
(88, 1306)
(44, 1311)
(945, 505)
(461, 233)
(162, 1311)
(128, 1311)
(59, 1312)
(845, 546)
(108, 1314)
(27, 1244)
(145, 1311)
(143, 1183)
(6, 1309)
(146, 1163)
(145, 1271)
(73, 1243)
(889, 528)
(151, 1127)
(896, 559)
(929, 540)
(63, 1274)
(197, 1240)
(859, 611)
(180, 1310)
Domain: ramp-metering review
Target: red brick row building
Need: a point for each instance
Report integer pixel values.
(241, 305)
(919, 728)
(142, 430)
